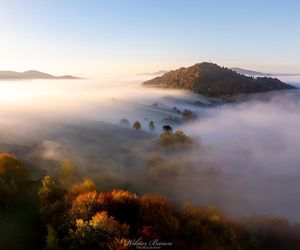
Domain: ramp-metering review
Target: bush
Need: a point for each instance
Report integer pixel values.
(137, 125)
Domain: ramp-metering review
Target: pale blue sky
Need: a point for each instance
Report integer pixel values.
(132, 36)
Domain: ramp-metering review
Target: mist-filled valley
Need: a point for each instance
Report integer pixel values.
(244, 157)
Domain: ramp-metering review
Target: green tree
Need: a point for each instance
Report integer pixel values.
(96, 233)
(49, 191)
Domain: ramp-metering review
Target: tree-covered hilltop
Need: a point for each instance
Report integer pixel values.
(211, 80)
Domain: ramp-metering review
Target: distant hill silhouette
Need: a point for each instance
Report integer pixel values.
(257, 73)
(31, 74)
(251, 72)
(211, 80)
(157, 73)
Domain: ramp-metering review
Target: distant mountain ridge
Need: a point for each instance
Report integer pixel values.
(157, 73)
(31, 74)
(257, 73)
(211, 80)
(251, 72)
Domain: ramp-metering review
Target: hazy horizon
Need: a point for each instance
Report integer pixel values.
(95, 39)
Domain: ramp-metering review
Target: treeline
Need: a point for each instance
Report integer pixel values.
(82, 217)
(75, 214)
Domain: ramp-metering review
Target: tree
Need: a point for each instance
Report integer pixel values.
(13, 177)
(159, 214)
(84, 206)
(53, 208)
(186, 114)
(52, 241)
(8, 191)
(167, 128)
(151, 125)
(86, 186)
(124, 122)
(67, 172)
(137, 125)
(96, 233)
(49, 191)
(12, 170)
(175, 139)
(120, 204)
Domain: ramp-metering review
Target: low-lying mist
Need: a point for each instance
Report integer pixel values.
(245, 158)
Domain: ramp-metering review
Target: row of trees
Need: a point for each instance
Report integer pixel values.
(81, 217)
(137, 125)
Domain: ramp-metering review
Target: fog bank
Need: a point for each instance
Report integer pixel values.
(246, 161)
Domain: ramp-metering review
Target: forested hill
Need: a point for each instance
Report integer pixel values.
(211, 80)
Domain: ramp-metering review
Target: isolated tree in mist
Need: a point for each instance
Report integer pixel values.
(68, 173)
(124, 122)
(167, 128)
(137, 125)
(186, 114)
(151, 125)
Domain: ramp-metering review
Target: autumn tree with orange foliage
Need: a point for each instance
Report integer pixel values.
(88, 219)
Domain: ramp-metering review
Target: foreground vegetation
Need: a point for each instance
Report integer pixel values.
(64, 211)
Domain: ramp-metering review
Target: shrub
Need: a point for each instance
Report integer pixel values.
(137, 125)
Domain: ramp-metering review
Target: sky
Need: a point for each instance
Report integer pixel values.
(123, 37)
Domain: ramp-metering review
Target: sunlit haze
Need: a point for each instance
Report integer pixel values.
(95, 38)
